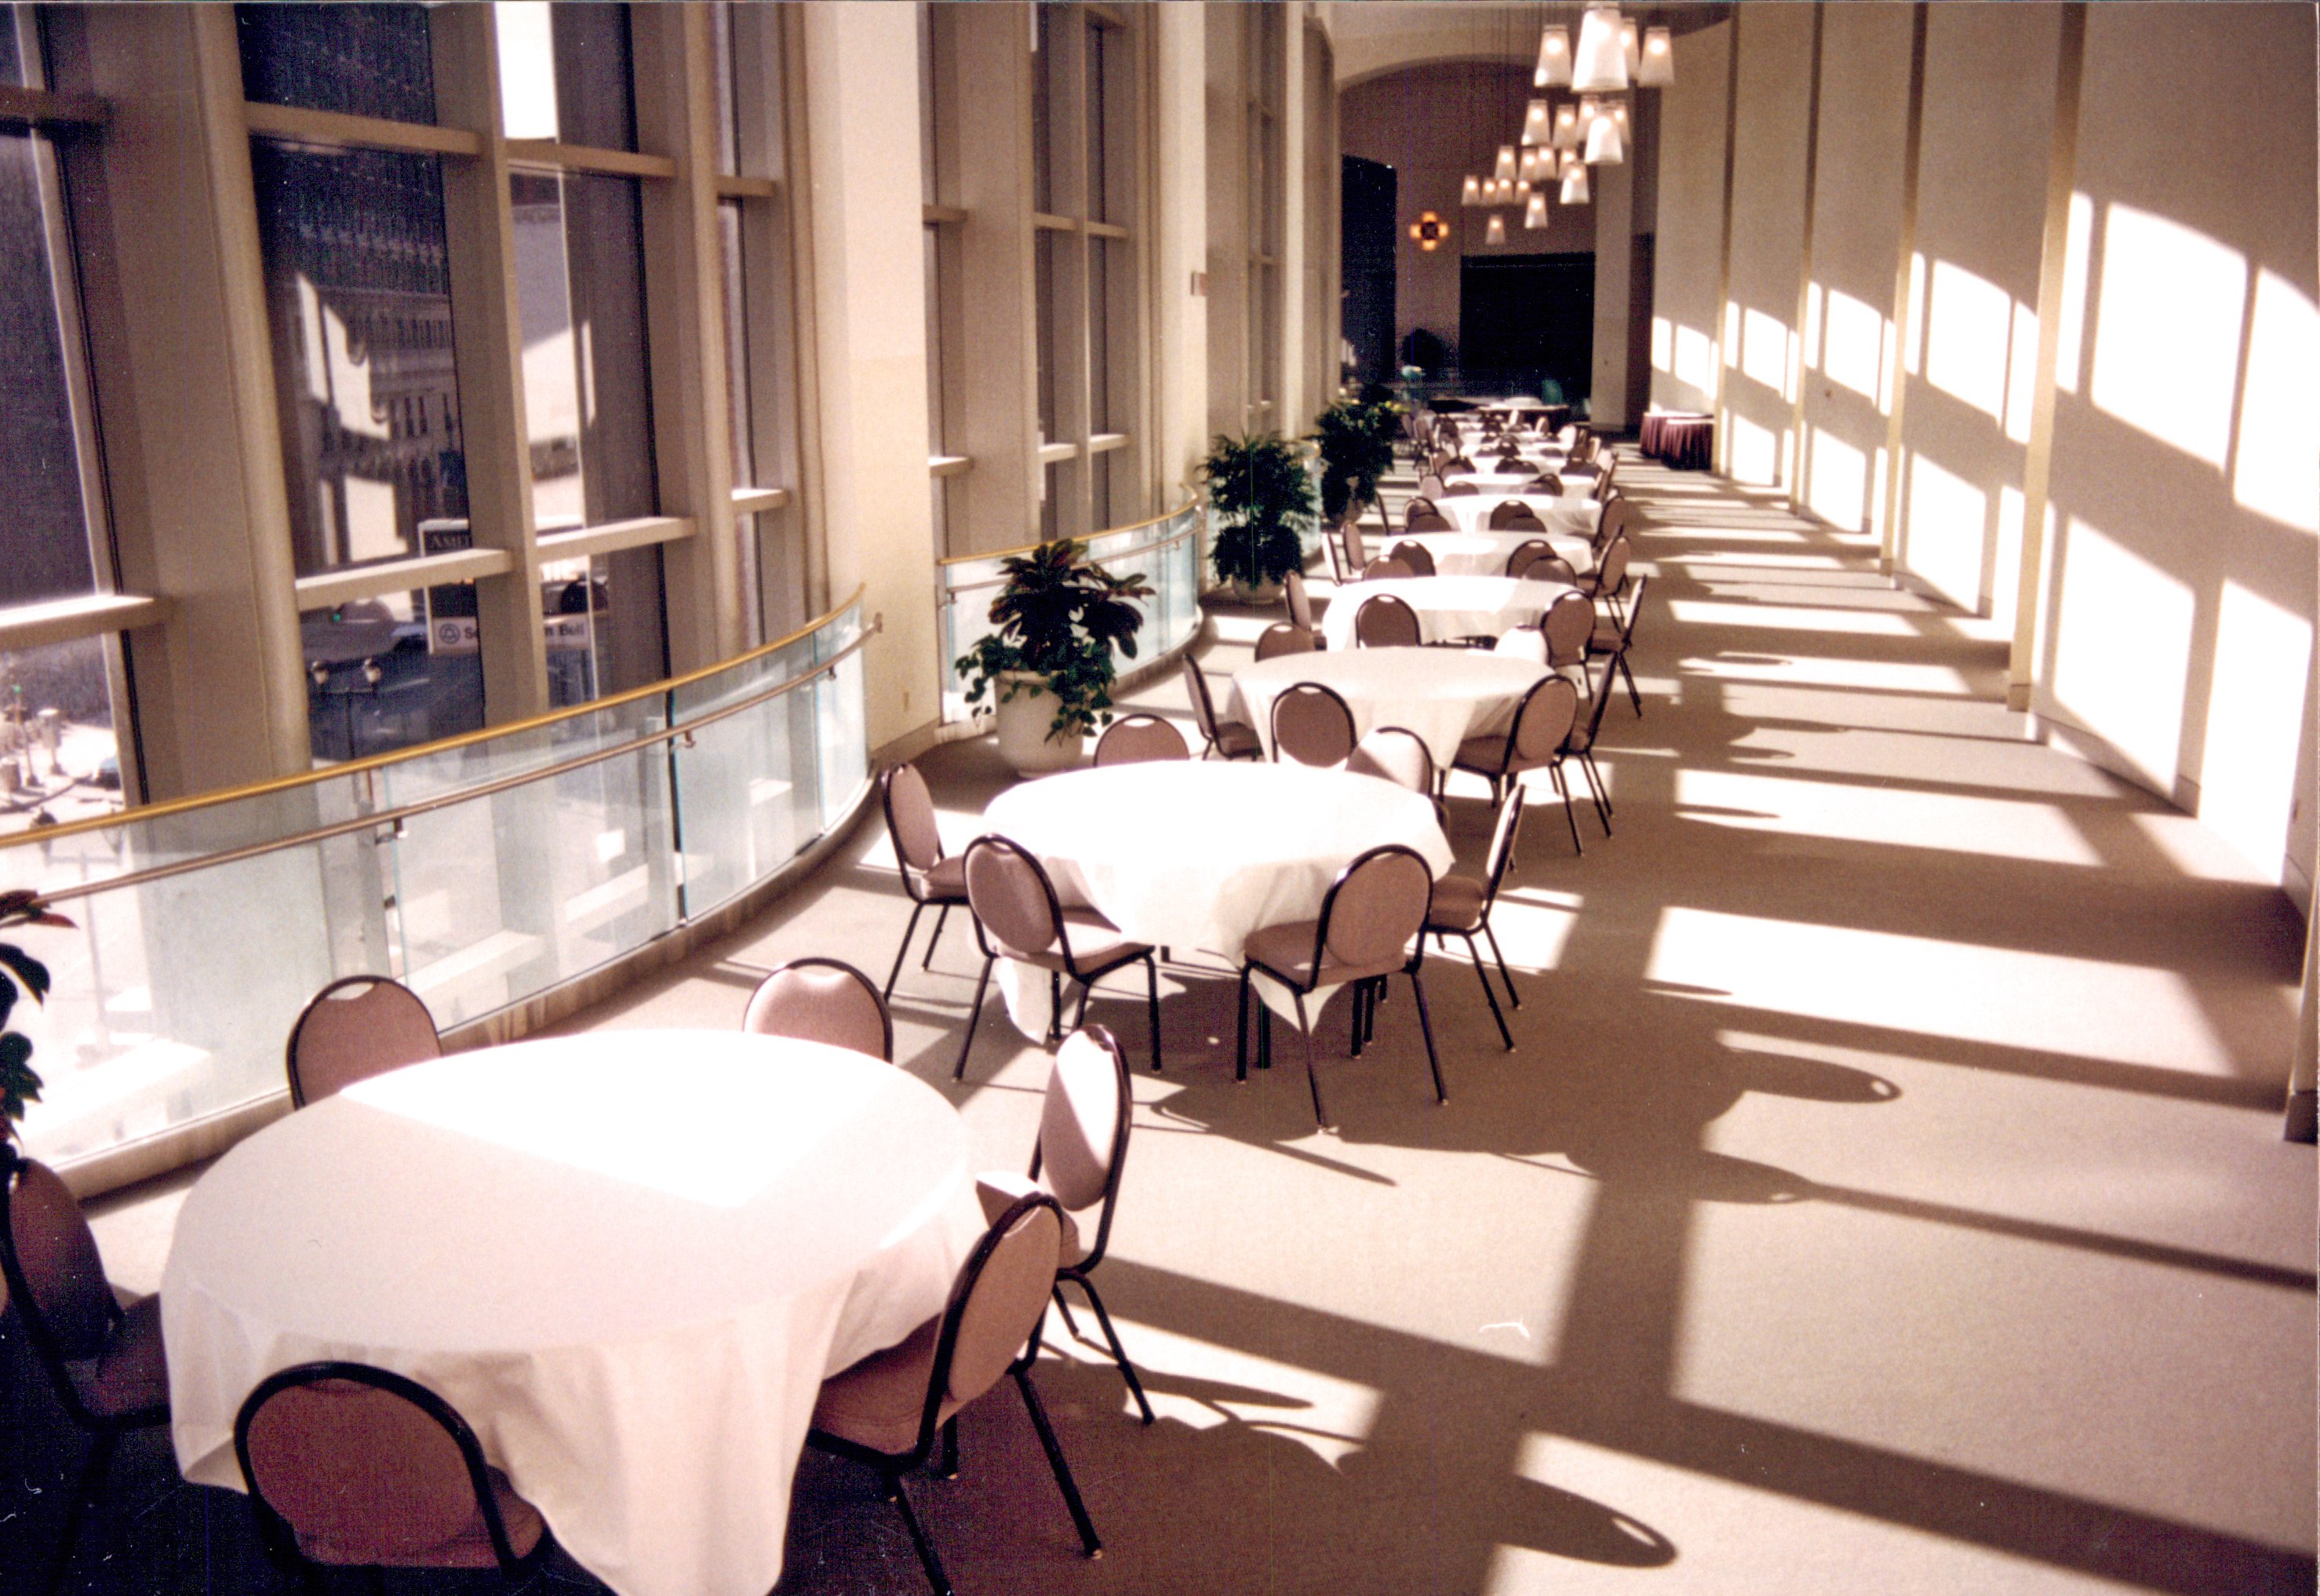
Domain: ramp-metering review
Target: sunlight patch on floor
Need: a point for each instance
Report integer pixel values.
(1807, 670)
(1203, 1385)
(1994, 828)
(1859, 623)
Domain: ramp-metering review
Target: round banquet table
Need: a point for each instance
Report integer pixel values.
(1191, 853)
(1449, 607)
(1567, 515)
(628, 1258)
(1445, 695)
(1493, 482)
(1484, 553)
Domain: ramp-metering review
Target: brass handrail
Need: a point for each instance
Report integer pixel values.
(1133, 526)
(444, 745)
(396, 815)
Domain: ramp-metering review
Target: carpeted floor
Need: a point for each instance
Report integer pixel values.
(1886, 1191)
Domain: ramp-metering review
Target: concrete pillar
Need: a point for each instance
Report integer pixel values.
(1614, 194)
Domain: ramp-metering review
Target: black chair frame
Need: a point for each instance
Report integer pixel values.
(921, 899)
(1506, 782)
(815, 961)
(1204, 714)
(1510, 822)
(1353, 727)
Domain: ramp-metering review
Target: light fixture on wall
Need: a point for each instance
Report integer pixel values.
(1506, 167)
(1470, 193)
(1496, 233)
(1554, 69)
(1657, 68)
(1535, 213)
(1567, 131)
(1601, 62)
(1430, 229)
(1574, 185)
(1539, 124)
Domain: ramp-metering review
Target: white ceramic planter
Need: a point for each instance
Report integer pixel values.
(1023, 722)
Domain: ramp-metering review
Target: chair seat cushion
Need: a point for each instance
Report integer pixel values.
(471, 1547)
(130, 1377)
(1237, 739)
(999, 1191)
(1095, 942)
(947, 879)
(1486, 755)
(1605, 640)
(1287, 951)
(1456, 904)
(878, 1403)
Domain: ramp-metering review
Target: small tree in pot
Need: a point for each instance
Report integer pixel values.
(1050, 659)
(1262, 499)
(1357, 441)
(20, 1087)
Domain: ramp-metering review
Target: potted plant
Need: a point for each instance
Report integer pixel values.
(1356, 441)
(20, 1087)
(1057, 618)
(1261, 497)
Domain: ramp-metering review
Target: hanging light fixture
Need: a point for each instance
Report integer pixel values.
(1470, 192)
(1631, 45)
(1496, 233)
(1538, 122)
(1554, 69)
(1505, 193)
(1539, 166)
(1574, 185)
(1601, 62)
(1657, 68)
(1535, 213)
(1607, 144)
(1567, 131)
(1571, 163)
(1506, 168)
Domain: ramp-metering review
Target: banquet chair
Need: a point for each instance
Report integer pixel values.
(1412, 554)
(1457, 489)
(1386, 569)
(1417, 507)
(1608, 579)
(1301, 604)
(1430, 520)
(356, 1027)
(1581, 746)
(1543, 722)
(1349, 541)
(1399, 754)
(1527, 553)
(1139, 740)
(1568, 624)
(1429, 485)
(1234, 739)
(1567, 436)
(1514, 516)
(1082, 1146)
(1546, 482)
(1311, 725)
(1017, 916)
(1456, 463)
(1363, 934)
(351, 1466)
(929, 877)
(1461, 907)
(106, 1363)
(1334, 554)
(1283, 637)
(888, 1409)
(1610, 521)
(822, 999)
(1386, 620)
(1614, 641)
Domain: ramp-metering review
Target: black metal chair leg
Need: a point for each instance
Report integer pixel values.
(1152, 1005)
(903, 952)
(926, 1548)
(1055, 1005)
(941, 918)
(1064, 1482)
(84, 1488)
(946, 1461)
(1474, 953)
(1264, 1034)
(973, 1017)
(1118, 1353)
(1503, 974)
(1634, 696)
(1426, 1024)
(1087, 990)
(1595, 790)
(1358, 1028)
(1241, 1031)
(1569, 813)
(1602, 789)
(1313, 1075)
(1064, 1308)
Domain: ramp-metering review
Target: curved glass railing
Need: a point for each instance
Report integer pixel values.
(481, 871)
(1166, 550)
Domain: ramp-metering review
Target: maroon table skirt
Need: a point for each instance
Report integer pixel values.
(1685, 441)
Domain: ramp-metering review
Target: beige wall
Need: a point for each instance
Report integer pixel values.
(2167, 423)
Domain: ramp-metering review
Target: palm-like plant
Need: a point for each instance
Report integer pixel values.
(1262, 494)
(20, 1086)
(1356, 441)
(1059, 617)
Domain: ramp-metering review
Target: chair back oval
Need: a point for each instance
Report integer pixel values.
(1456, 463)
(1349, 538)
(1386, 620)
(1430, 520)
(1196, 688)
(364, 1466)
(1429, 487)
(910, 817)
(1569, 622)
(1548, 711)
(1603, 488)
(1525, 554)
(1611, 570)
(1522, 642)
(1414, 555)
(1376, 906)
(1301, 602)
(1567, 435)
(1546, 482)
(1382, 569)
(353, 1028)
(54, 1276)
(1553, 567)
(1311, 726)
(822, 999)
(1011, 895)
(1612, 522)
(997, 1301)
(1418, 506)
(1394, 754)
(1515, 516)
(1459, 489)
(1084, 1118)
(1135, 739)
(1283, 637)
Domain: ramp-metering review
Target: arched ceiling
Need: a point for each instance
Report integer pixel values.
(1370, 38)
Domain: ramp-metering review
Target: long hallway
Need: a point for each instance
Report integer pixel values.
(1887, 1189)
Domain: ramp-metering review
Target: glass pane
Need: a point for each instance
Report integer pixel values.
(1043, 263)
(604, 626)
(1042, 185)
(1051, 487)
(44, 545)
(749, 796)
(10, 70)
(580, 282)
(737, 396)
(1099, 514)
(720, 42)
(389, 673)
(930, 170)
(60, 761)
(1098, 260)
(359, 307)
(1098, 186)
(936, 435)
(369, 61)
(564, 74)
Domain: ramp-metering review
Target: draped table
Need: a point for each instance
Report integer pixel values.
(1445, 695)
(1493, 482)
(628, 1258)
(1567, 515)
(1449, 607)
(1484, 553)
(1685, 440)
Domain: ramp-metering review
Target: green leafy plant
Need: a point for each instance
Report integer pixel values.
(1356, 442)
(1262, 495)
(1057, 618)
(20, 1086)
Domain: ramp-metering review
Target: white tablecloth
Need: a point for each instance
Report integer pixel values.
(1445, 696)
(1569, 514)
(628, 1258)
(1449, 607)
(1484, 554)
(1493, 482)
(1197, 854)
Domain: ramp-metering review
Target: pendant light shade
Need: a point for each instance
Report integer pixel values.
(1470, 192)
(1506, 168)
(1539, 166)
(1554, 59)
(1601, 62)
(1567, 131)
(1535, 213)
(1496, 233)
(1502, 192)
(1574, 186)
(1571, 163)
(1631, 45)
(1607, 146)
(1657, 69)
(1538, 123)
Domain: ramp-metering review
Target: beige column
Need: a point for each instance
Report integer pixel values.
(1231, 384)
(1724, 328)
(1896, 376)
(1296, 399)
(861, 203)
(1614, 194)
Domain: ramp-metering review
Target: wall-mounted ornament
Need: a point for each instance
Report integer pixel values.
(1430, 231)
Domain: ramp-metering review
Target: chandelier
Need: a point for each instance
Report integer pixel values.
(1612, 56)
